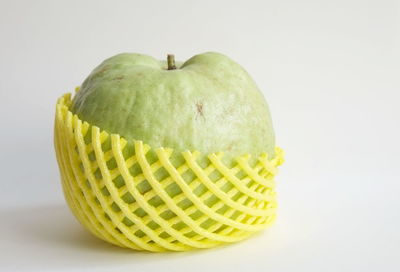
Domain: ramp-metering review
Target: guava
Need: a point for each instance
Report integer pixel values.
(209, 104)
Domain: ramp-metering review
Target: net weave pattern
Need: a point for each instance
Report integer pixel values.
(115, 189)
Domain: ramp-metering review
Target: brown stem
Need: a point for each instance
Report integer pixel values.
(171, 62)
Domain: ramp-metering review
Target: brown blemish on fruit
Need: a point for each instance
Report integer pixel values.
(103, 70)
(118, 78)
(199, 107)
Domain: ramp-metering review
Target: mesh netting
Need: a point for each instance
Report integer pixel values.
(134, 196)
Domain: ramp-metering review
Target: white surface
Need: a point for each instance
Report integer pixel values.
(329, 70)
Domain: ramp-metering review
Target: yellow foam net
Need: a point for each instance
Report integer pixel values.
(131, 199)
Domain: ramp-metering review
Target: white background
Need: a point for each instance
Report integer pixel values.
(330, 71)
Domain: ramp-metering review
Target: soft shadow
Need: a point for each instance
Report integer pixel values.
(52, 226)
(47, 238)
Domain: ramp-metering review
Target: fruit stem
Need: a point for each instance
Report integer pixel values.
(171, 62)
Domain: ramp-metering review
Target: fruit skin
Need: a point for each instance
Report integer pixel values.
(209, 104)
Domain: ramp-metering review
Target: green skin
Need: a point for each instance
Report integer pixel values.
(209, 104)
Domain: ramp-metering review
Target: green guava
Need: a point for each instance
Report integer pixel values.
(209, 103)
